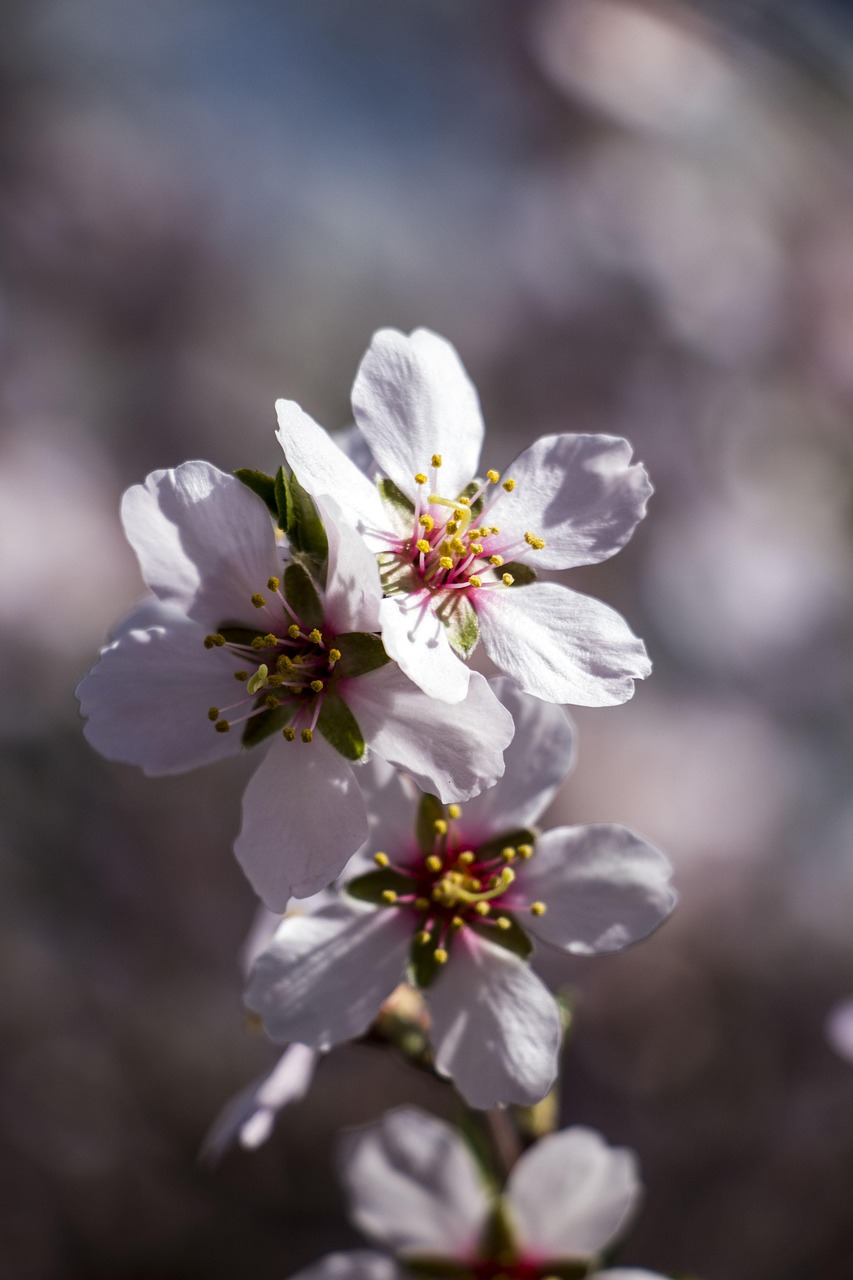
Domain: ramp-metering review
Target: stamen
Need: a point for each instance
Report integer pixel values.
(293, 631)
(503, 922)
(508, 854)
(433, 863)
(426, 522)
(422, 937)
(467, 858)
(241, 676)
(440, 955)
(215, 641)
(440, 827)
(258, 600)
(525, 851)
(457, 922)
(315, 636)
(317, 686)
(507, 579)
(420, 478)
(259, 643)
(389, 896)
(509, 485)
(532, 541)
(289, 733)
(381, 859)
(436, 459)
(423, 546)
(454, 811)
(446, 562)
(334, 656)
(222, 726)
(307, 735)
(475, 580)
(213, 713)
(273, 584)
(493, 476)
(538, 908)
(271, 640)
(271, 701)
(421, 904)
(482, 908)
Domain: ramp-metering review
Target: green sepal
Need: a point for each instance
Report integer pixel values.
(513, 939)
(460, 618)
(395, 498)
(430, 810)
(261, 484)
(509, 839)
(425, 967)
(263, 726)
(340, 728)
(301, 594)
(396, 575)
(469, 491)
(425, 1266)
(371, 886)
(360, 651)
(282, 502)
(522, 574)
(498, 1240)
(305, 530)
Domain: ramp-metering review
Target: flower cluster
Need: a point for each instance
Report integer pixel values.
(324, 618)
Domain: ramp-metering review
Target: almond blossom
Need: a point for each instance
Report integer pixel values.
(251, 643)
(455, 899)
(460, 551)
(415, 1189)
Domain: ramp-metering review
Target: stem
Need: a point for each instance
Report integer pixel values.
(504, 1136)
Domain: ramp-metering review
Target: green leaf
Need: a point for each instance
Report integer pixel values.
(282, 501)
(305, 530)
(513, 939)
(371, 886)
(263, 726)
(460, 617)
(261, 484)
(522, 574)
(360, 651)
(425, 967)
(394, 497)
(301, 594)
(430, 810)
(340, 728)
(509, 839)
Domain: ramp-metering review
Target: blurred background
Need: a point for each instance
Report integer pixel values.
(634, 218)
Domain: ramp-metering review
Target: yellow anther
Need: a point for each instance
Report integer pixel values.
(482, 908)
(452, 526)
(507, 579)
(467, 858)
(426, 522)
(389, 896)
(422, 938)
(273, 584)
(381, 859)
(508, 854)
(271, 640)
(317, 686)
(493, 476)
(315, 636)
(213, 713)
(307, 735)
(422, 546)
(420, 478)
(258, 600)
(497, 561)
(283, 663)
(476, 548)
(509, 485)
(440, 955)
(503, 922)
(334, 656)
(493, 529)
(446, 562)
(215, 641)
(259, 643)
(525, 851)
(538, 908)
(241, 676)
(459, 515)
(457, 545)
(434, 863)
(454, 811)
(289, 733)
(293, 631)
(440, 827)
(505, 878)
(275, 682)
(464, 502)
(271, 701)
(457, 923)
(532, 541)
(421, 904)
(222, 726)
(475, 580)
(436, 459)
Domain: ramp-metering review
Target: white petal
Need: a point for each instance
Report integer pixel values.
(570, 1195)
(412, 398)
(303, 817)
(495, 1027)
(537, 762)
(561, 646)
(356, 1264)
(839, 1028)
(147, 700)
(323, 977)
(204, 541)
(417, 641)
(453, 751)
(580, 493)
(603, 886)
(321, 467)
(413, 1185)
(250, 1116)
(392, 803)
(351, 442)
(353, 589)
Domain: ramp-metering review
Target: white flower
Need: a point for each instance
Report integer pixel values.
(414, 1188)
(249, 1117)
(249, 648)
(456, 904)
(839, 1028)
(451, 545)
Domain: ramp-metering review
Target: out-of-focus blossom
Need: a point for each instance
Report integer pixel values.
(839, 1028)
(249, 1117)
(451, 545)
(414, 1188)
(456, 901)
(304, 657)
